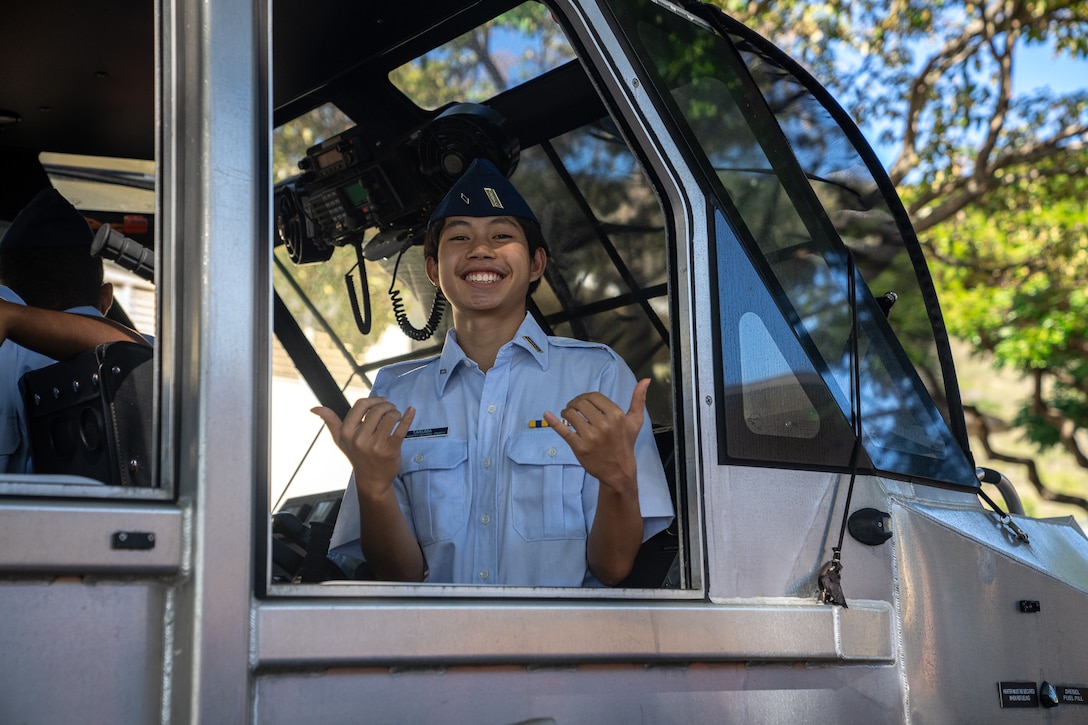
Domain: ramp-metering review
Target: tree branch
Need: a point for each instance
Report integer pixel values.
(1067, 429)
(983, 433)
(962, 191)
(951, 54)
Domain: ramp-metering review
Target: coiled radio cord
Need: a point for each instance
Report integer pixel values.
(438, 308)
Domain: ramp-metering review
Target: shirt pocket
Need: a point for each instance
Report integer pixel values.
(436, 482)
(546, 484)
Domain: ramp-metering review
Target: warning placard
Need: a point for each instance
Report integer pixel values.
(1018, 694)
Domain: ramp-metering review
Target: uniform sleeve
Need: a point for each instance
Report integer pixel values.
(345, 534)
(8, 295)
(654, 497)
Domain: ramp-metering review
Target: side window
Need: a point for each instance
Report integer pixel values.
(775, 401)
(78, 214)
(360, 297)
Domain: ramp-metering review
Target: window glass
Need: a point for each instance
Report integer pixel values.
(856, 205)
(775, 403)
(69, 438)
(607, 278)
(120, 192)
(517, 46)
(802, 259)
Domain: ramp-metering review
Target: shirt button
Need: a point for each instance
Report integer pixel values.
(491, 409)
(418, 458)
(551, 451)
(484, 574)
(487, 463)
(485, 519)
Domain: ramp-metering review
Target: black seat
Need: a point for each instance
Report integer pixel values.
(91, 415)
(655, 562)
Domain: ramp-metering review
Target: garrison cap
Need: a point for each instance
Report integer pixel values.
(482, 191)
(48, 221)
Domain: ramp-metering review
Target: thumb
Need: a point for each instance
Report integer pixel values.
(331, 420)
(637, 411)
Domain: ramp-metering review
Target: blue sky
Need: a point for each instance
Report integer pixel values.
(1037, 67)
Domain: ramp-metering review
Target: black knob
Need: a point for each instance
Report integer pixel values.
(870, 526)
(1048, 695)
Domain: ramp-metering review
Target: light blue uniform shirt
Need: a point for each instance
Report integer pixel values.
(491, 499)
(16, 361)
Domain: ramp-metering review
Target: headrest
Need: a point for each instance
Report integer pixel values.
(47, 221)
(482, 191)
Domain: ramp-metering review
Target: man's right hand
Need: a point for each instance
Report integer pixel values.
(371, 436)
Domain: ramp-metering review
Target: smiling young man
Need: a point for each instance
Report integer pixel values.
(461, 471)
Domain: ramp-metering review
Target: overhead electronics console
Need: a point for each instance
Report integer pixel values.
(352, 183)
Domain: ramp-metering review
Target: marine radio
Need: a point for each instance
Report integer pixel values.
(352, 183)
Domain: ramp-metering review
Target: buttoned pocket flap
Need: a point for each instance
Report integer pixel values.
(541, 447)
(429, 454)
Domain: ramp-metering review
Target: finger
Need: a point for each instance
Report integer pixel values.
(331, 419)
(584, 408)
(405, 423)
(559, 425)
(381, 420)
(638, 401)
(374, 414)
(593, 402)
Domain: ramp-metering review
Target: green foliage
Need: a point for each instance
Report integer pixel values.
(1014, 271)
(993, 177)
(475, 66)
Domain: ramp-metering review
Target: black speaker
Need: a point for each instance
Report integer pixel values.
(91, 415)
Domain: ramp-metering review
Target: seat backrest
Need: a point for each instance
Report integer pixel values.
(655, 564)
(91, 415)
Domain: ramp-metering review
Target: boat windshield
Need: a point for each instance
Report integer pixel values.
(812, 219)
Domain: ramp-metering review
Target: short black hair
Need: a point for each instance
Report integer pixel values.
(53, 278)
(534, 237)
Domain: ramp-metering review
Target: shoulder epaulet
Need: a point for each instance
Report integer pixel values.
(407, 367)
(582, 344)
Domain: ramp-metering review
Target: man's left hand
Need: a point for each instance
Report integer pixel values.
(602, 435)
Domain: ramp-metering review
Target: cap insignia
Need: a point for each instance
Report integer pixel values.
(493, 197)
